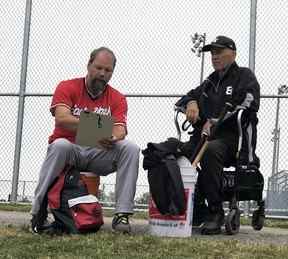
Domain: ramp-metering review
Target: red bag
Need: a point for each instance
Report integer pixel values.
(86, 212)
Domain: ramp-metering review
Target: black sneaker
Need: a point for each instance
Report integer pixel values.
(212, 226)
(39, 221)
(120, 223)
(38, 225)
(200, 214)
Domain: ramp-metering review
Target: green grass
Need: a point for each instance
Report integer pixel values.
(15, 207)
(19, 243)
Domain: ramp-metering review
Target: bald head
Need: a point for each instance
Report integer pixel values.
(95, 52)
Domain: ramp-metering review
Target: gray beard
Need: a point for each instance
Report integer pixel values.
(97, 87)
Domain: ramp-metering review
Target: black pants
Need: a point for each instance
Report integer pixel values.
(221, 152)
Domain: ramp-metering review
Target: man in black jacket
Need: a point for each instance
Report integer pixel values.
(228, 83)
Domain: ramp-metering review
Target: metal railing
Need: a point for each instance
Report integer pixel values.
(24, 187)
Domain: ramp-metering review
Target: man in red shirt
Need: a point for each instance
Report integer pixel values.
(92, 93)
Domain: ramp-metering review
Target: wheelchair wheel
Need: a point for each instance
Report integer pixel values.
(232, 222)
(257, 220)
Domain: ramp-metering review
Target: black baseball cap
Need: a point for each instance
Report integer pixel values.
(220, 42)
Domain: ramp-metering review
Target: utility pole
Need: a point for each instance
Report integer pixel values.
(282, 89)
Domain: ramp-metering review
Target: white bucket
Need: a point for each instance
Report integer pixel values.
(180, 225)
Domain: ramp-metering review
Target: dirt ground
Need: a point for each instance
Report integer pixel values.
(246, 234)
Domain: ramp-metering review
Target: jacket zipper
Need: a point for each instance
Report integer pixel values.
(215, 86)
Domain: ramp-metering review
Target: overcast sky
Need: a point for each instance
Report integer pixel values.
(152, 41)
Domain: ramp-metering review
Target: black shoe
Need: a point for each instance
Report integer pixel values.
(39, 220)
(46, 228)
(213, 224)
(38, 225)
(120, 223)
(200, 214)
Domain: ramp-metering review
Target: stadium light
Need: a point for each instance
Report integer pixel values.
(198, 41)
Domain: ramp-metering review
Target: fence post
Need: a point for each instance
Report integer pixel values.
(252, 46)
(252, 38)
(21, 101)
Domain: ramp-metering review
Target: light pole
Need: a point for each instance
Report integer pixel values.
(282, 89)
(198, 41)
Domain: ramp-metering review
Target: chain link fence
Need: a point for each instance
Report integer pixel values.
(152, 41)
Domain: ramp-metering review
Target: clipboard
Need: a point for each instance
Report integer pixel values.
(92, 127)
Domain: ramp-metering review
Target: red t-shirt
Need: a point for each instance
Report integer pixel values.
(73, 94)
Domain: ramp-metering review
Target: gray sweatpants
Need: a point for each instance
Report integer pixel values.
(122, 158)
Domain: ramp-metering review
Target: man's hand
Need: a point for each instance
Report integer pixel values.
(118, 133)
(192, 112)
(206, 130)
(107, 143)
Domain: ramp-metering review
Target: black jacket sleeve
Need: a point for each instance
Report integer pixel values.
(248, 90)
(193, 94)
